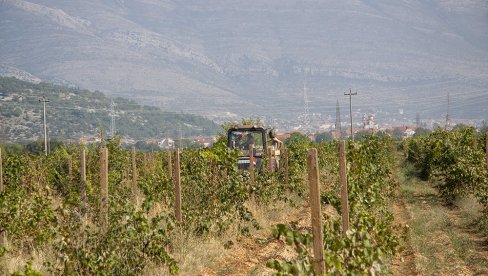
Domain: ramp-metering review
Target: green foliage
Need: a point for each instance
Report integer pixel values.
(298, 139)
(301, 242)
(25, 208)
(323, 137)
(36, 147)
(455, 161)
(397, 133)
(422, 132)
(363, 135)
(215, 190)
(244, 122)
(73, 113)
(28, 271)
(143, 146)
(131, 242)
(370, 239)
(451, 159)
(43, 206)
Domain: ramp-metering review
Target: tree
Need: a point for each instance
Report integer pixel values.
(460, 126)
(323, 137)
(143, 146)
(245, 122)
(361, 135)
(397, 133)
(422, 132)
(484, 127)
(297, 138)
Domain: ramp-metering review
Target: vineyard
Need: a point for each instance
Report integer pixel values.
(456, 161)
(108, 210)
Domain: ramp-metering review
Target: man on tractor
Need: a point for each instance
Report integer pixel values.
(241, 137)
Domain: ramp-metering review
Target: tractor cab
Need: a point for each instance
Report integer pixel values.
(242, 137)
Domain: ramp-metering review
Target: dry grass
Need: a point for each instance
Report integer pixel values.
(470, 208)
(443, 237)
(16, 261)
(198, 255)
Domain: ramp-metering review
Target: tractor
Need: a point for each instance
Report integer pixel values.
(243, 138)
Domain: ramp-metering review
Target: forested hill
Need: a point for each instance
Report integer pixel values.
(72, 113)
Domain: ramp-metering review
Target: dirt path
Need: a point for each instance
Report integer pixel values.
(472, 245)
(441, 239)
(404, 262)
(250, 256)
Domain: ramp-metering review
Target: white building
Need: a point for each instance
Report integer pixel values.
(166, 143)
(369, 122)
(408, 133)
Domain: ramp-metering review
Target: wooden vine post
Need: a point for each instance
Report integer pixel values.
(251, 162)
(313, 180)
(144, 163)
(486, 149)
(1, 171)
(3, 236)
(270, 159)
(177, 187)
(150, 163)
(70, 170)
(286, 166)
(134, 174)
(83, 177)
(104, 189)
(170, 164)
(344, 194)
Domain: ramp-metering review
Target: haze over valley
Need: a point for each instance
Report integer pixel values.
(253, 58)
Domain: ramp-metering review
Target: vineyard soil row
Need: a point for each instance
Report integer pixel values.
(442, 238)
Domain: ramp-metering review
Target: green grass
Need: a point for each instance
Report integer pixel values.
(444, 238)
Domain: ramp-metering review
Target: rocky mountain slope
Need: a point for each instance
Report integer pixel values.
(255, 56)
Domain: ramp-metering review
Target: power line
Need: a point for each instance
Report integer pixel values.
(43, 100)
(397, 99)
(350, 94)
(112, 115)
(338, 120)
(306, 109)
(448, 107)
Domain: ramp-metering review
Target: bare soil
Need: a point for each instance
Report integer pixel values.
(404, 262)
(250, 255)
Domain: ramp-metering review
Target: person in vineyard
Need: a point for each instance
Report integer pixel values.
(277, 143)
(249, 140)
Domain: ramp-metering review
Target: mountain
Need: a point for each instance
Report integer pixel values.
(73, 113)
(254, 57)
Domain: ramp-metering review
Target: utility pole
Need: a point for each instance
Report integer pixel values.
(306, 109)
(181, 137)
(44, 101)
(350, 94)
(112, 115)
(448, 109)
(338, 121)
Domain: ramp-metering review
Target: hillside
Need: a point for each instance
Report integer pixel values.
(214, 56)
(73, 113)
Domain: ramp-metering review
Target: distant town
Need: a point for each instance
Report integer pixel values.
(315, 126)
